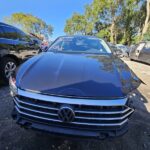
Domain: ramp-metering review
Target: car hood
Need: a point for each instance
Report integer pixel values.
(77, 75)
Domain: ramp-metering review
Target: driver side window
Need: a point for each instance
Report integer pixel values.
(22, 36)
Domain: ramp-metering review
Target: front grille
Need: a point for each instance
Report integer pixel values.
(86, 117)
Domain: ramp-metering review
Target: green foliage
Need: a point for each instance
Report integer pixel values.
(147, 35)
(79, 24)
(119, 21)
(130, 20)
(29, 24)
(103, 34)
(75, 25)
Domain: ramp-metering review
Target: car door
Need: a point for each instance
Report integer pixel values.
(137, 51)
(144, 55)
(132, 51)
(2, 43)
(27, 47)
(8, 35)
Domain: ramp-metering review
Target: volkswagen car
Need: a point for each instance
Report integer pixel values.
(78, 87)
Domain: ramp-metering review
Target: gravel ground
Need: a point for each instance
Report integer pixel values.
(12, 137)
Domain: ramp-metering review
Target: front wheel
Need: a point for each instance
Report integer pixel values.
(8, 67)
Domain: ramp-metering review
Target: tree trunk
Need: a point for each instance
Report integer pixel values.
(112, 32)
(147, 19)
(116, 41)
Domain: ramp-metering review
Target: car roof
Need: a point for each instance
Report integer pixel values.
(5, 24)
(8, 25)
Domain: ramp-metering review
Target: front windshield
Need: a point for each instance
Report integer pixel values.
(80, 44)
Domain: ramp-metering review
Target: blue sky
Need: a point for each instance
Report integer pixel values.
(54, 12)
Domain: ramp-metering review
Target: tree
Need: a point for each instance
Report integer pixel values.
(147, 18)
(119, 21)
(146, 36)
(119, 18)
(76, 25)
(30, 24)
(79, 24)
(102, 30)
(110, 14)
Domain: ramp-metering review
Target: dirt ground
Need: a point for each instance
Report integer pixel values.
(12, 137)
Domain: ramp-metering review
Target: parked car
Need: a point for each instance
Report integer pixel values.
(44, 46)
(36, 40)
(141, 52)
(15, 46)
(125, 49)
(78, 87)
(116, 50)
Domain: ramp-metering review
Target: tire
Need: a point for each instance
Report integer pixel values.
(7, 67)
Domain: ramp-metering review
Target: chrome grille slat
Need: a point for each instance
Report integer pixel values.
(54, 120)
(95, 124)
(33, 110)
(112, 118)
(86, 118)
(96, 112)
(88, 112)
(76, 111)
(51, 108)
(79, 123)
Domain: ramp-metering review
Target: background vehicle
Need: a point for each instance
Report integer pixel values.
(125, 50)
(15, 46)
(141, 52)
(116, 50)
(44, 46)
(75, 88)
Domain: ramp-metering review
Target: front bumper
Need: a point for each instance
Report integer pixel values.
(62, 131)
(93, 118)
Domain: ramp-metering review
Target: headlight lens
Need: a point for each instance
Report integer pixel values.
(132, 94)
(131, 97)
(13, 87)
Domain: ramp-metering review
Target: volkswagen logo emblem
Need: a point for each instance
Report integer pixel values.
(66, 114)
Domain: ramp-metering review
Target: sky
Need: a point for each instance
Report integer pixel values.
(54, 12)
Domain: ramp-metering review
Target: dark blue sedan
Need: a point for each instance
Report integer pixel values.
(78, 87)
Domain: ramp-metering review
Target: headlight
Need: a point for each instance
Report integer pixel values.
(132, 94)
(131, 97)
(13, 87)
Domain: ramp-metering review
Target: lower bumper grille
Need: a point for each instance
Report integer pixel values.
(86, 116)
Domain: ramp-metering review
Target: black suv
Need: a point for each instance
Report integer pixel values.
(15, 46)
